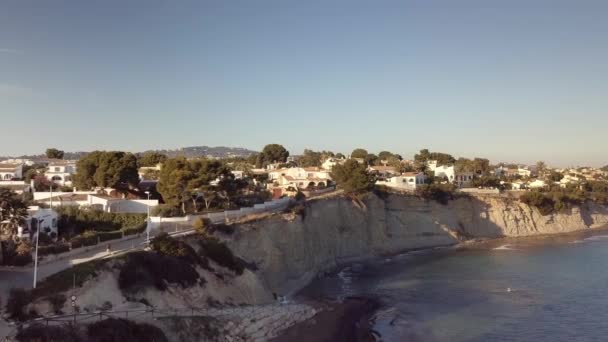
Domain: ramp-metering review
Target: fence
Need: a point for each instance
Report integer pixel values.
(219, 217)
(262, 320)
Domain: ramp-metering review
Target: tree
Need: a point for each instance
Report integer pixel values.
(358, 153)
(54, 153)
(441, 158)
(352, 177)
(541, 167)
(181, 180)
(107, 169)
(555, 176)
(371, 159)
(151, 158)
(310, 158)
(13, 211)
(340, 155)
(274, 153)
(385, 155)
(605, 168)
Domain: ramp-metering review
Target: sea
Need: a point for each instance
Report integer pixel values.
(530, 289)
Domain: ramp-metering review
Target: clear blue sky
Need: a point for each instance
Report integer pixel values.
(517, 80)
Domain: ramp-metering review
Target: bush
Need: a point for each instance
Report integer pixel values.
(53, 249)
(166, 245)
(441, 193)
(16, 304)
(40, 333)
(164, 210)
(105, 236)
(217, 251)
(77, 220)
(57, 301)
(202, 225)
(135, 230)
(117, 329)
(544, 204)
(88, 238)
(145, 269)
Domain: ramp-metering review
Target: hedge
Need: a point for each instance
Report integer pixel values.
(105, 236)
(53, 249)
(135, 230)
(79, 220)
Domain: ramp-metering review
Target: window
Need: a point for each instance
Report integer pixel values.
(54, 223)
(57, 169)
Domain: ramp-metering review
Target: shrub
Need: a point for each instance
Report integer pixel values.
(166, 245)
(544, 204)
(135, 230)
(145, 269)
(105, 236)
(164, 210)
(77, 220)
(16, 304)
(202, 225)
(82, 240)
(57, 301)
(217, 251)
(53, 249)
(441, 193)
(118, 329)
(39, 332)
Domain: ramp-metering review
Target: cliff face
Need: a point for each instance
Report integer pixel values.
(289, 252)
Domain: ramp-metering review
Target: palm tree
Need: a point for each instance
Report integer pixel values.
(13, 212)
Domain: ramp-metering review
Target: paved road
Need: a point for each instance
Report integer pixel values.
(20, 277)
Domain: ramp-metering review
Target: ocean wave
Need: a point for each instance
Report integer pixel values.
(505, 248)
(597, 238)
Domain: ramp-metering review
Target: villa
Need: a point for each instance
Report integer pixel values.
(405, 181)
(61, 172)
(10, 172)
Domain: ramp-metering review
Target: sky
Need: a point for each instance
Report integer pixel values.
(517, 80)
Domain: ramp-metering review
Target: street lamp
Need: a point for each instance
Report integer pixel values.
(148, 219)
(39, 223)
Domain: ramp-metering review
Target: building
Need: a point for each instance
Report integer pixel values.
(329, 163)
(61, 172)
(383, 171)
(11, 171)
(431, 165)
(444, 171)
(145, 172)
(404, 181)
(44, 219)
(536, 184)
(524, 172)
(299, 177)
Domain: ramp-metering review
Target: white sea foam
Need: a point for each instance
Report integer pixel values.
(504, 248)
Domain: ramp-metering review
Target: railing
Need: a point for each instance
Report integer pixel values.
(288, 315)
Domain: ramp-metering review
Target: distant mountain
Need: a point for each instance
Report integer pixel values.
(188, 152)
(209, 152)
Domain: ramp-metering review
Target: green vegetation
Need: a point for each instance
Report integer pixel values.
(359, 153)
(143, 270)
(486, 182)
(16, 304)
(272, 153)
(117, 329)
(441, 193)
(42, 333)
(16, 253)
(13, 211)
(54, 153)
(442, 158)
(556, 199)
(107, 169)
(110, 329)
(73, 220)
(151, 158)
(353, 177)
(217, 251)
(165, 245)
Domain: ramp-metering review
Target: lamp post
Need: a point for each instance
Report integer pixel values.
(39, 223)
(148, 219)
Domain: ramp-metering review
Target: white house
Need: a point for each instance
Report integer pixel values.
(61, 172)
(444, 171)
(537, 183)
(404, 181)
(329, 163)
(38, 218)
(524, 172)
(299, 177)
(142, 171)
(10, 171)
(568, 179)
(431, 164)
(97, 201)
(383, 171)
(238, 174)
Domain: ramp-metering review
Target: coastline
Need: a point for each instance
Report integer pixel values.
(348, 320)
(352, 318)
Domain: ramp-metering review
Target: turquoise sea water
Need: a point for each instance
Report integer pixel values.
(553, 289)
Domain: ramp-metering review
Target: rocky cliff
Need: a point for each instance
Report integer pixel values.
(291, 251)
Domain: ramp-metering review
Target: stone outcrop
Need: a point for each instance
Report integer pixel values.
(290, 252)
